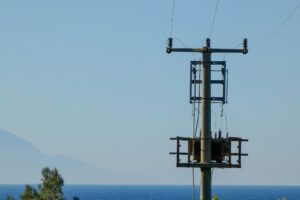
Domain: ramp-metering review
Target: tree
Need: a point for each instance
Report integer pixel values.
(9, 197)
(215, 197)
(29, 193)
(51, 187)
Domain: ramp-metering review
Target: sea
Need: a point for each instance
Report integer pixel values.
(164, 192)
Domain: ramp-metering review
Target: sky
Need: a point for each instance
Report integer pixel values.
(91, 80)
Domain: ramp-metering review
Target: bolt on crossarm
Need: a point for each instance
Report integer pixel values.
(205, 133)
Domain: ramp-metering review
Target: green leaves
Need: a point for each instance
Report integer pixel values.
(9, 197)
(49, 189)
(29, 193)
(215, 197)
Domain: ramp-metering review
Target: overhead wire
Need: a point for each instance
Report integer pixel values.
(172, 17)
(195, 122)
(279, 26)
(214, 19)
(269, 36)
(237, 46)
(226, 123)
(215, 120)
(194, 70)
(196, 111)
(199, 104)
(224, 116)
(184, 45)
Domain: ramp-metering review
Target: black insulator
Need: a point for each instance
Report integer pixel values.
(170, 44)
(207, 42)
(245, 43)
(220, 133)
(245, 50)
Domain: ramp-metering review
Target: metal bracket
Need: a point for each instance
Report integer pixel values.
(222, 153)
(196, 81)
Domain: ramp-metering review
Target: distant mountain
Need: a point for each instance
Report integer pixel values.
(21, 162)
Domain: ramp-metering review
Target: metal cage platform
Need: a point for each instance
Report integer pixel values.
(221, 152)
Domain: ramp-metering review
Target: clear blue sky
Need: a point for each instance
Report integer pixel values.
(91, 80)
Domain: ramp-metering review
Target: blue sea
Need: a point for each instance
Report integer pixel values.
(164, 192)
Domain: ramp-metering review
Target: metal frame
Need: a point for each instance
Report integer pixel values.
(227, 164)
(224, 82)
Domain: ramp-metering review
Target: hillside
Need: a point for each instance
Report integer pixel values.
(21, 162)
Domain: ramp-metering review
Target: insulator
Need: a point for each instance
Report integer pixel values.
(245, 50)
(207, 42)
(170, 44)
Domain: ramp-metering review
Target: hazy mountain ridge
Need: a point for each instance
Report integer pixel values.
(21, 162)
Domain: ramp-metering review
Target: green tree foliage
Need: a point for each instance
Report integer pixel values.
(50, 189)
(215, 197)
(9, 197)
(29, 193)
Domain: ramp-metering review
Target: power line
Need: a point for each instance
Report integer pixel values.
(279, 26)
(194, 134)
(195, 120)
(237, 46)
(172, 17)
(214, 18)
(184, 45)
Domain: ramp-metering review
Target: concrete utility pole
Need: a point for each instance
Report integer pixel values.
(206, 135)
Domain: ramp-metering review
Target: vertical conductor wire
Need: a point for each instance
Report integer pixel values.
(172, 17)
(214, 19)
(194, 71)
(196, 109)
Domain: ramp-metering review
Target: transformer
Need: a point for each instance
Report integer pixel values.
(222, 152)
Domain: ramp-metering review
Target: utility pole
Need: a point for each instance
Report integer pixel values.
(205, 137)
(205, 141)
